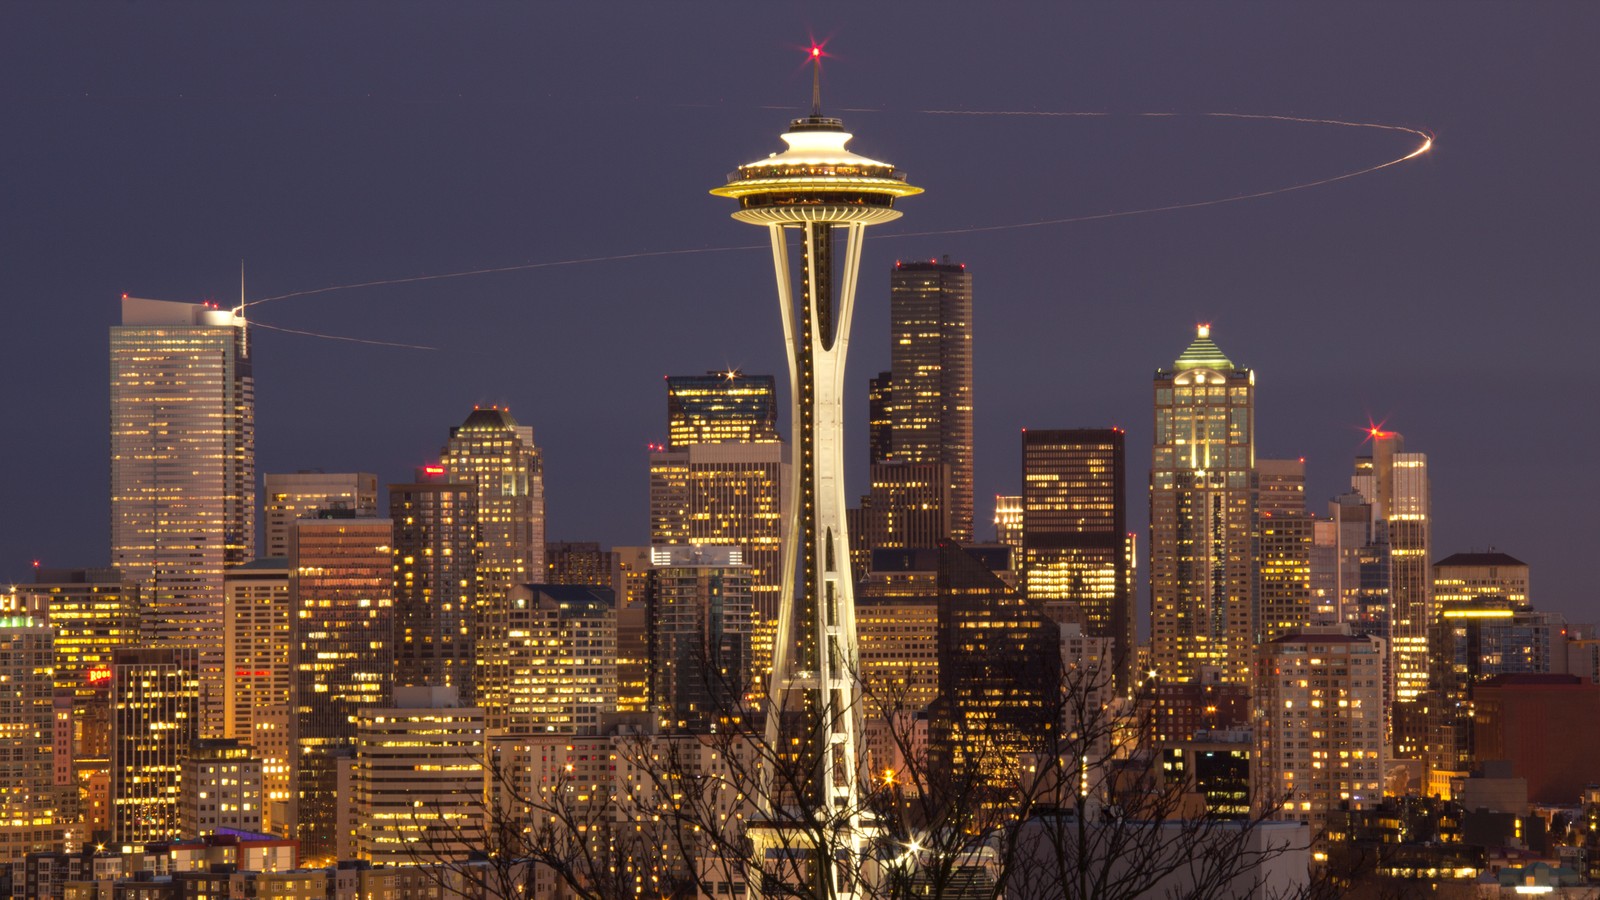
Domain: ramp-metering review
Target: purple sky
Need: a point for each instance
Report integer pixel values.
(148, 148)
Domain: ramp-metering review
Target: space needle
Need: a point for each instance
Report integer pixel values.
(811, 833)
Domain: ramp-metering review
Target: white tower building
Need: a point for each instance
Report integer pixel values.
(810, 829)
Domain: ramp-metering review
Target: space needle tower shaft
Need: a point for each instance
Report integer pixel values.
(811, 832)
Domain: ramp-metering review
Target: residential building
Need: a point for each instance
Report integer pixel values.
(221, 789)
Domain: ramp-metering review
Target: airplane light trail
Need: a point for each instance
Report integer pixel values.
(339, 337)
(1423, 147)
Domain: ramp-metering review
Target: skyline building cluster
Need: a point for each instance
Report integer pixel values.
(358, 688)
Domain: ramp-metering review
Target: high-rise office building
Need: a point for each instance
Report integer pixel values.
(727, 495)
(699, 635)
(90, 612)
(182, 471)
(341, 587)
(300, 495)
(1075, 531)
(550, 656)
(155, 697)
(1395, 483)
(261, 675)
(1285, 543)
(1470, 576)
(31, 819)
(907, 506)
(999, 675)
(418, 778)
(880, 417)
(1201, 512)
(1320, 738)
(930, 356)
(582, 562)
(436, 537)
(721, 408)
(492, 451)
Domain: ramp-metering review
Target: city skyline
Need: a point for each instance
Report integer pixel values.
(1376, 246)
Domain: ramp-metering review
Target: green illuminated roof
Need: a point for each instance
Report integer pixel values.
(1203, 354)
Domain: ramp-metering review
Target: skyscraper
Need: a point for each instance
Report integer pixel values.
(436, 537)
(299, 495)
(817, 188)
(261, 675)
(720, 408)
(1396, 484)
(31, 819)
(341, 584)
(492, 451)
(1201, 510)
(930, 322)
(182, 471)
(907, 506)
(699, 635)
(549, 659)
(729, 494)
(1075, 531)
(1285, 537)
(155, 699)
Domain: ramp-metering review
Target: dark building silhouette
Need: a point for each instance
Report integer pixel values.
(436, 580)
(999, 674)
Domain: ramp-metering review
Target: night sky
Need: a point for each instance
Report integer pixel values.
(147, 149)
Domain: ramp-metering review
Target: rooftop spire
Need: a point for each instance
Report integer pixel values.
(816, 81)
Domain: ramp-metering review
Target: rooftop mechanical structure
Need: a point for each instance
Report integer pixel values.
(812, 835)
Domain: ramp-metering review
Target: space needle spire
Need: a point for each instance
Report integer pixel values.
(812, 834)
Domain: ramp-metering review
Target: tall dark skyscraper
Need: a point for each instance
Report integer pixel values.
(183, 472)
(930, 322)
(880, 416)
(155, 701)
(698, 602)
(436, 581)
(721, 407)
(1075, 531)
(1202, 503)
(999, 674)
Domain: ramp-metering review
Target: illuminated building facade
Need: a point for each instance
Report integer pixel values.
(880, 417)
(728, 495)
(1008, 522)
(819, 190)
(699, 635)
(300, 495)
(341, 588)
(155, 698)
(1201, 516)
(182, 471)
(418, 778)
(554, 648)
(1469, 576)
(260, 675)
(1285, 541)
(721, 408)
(930, 361)
(91, 612)
(1396, 484)
(999, 675)
(436, 537)
(582, 562)
(1320, 737)
(1473, 640)
(1075, 531)
(31, 819)
(492, 451)
(221, 788)
(899, 640)
(908, 506)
